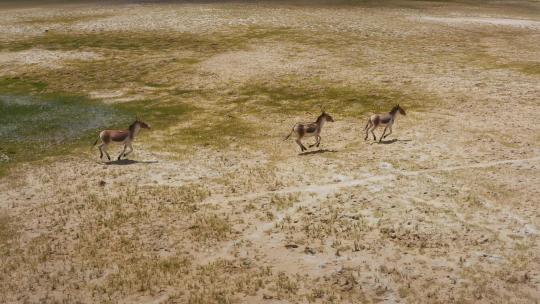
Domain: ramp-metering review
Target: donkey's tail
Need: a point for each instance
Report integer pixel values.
(95, 142)
(287, 137)
(290, 133)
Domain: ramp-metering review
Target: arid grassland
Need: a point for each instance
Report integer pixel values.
(214, 207)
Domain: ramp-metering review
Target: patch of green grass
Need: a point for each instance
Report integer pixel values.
(114, 41)
(295, 96)
(60, 19)
(37, 124)
(530, 68)
(229, 39)
(156, 113)
(203, 44)
(19, 85)
(215, 131)
(482, 58)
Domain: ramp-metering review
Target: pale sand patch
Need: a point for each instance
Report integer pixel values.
(116, 96)
(106, 94)
(45, 58)
(522, 23)
(263, 61)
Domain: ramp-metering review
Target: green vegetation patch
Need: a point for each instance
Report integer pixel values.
(113, 41)
(530, 68)
(144, 41)
(296, 96)
(62, 19)
(219, 131)
(157, 113)
(35, 127)
(36, 124)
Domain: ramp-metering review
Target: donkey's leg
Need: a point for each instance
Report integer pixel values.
(104, 148)
(389, 128)
(317, 141)
(373, 129)
(382, 136)
(300, 144)
(122, 153)
(368, 126)
(100, 151)
(130, 150)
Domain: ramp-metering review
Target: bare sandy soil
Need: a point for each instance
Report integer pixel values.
(214, 207)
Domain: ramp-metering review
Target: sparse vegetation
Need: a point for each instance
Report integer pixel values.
(214, 207)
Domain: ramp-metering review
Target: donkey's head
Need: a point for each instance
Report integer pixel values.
(399, 109)
(325, 116)
(141, 123)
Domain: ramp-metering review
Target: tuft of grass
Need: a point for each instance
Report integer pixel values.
(281, 202)
(210, 228)
(286, 286)
(8, 232)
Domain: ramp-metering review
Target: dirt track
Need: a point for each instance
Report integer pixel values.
(212, 207)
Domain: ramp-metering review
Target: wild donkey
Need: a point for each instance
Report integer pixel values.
(124, 137)
(386, 120)
(310, 129)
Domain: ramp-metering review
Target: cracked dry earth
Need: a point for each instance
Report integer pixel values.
(445, 210)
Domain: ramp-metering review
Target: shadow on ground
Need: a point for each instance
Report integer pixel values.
(391, 141)
(318, 152)
(123, 162)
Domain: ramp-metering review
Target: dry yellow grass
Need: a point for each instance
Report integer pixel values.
(214, 207)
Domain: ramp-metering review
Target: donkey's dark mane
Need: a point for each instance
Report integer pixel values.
(394, 110)
(132, 126)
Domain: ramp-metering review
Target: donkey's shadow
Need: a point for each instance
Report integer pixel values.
(317, 152)
(391, 141)
(124, 162)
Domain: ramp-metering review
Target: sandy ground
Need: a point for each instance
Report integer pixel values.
(44, 58)
(443, 211)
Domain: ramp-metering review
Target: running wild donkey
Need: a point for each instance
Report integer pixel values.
(311, 129)
(386, 120)
(124, 137)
